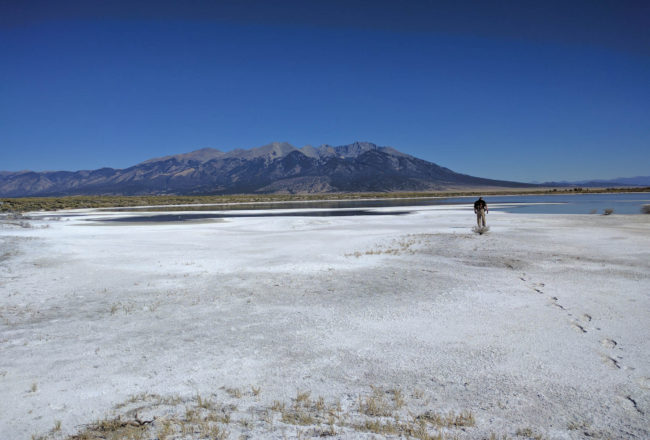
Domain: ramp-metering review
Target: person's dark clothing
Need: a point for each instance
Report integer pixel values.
(480, 209)
(480, 204)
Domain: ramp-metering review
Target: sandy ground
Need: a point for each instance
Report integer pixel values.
(540, 327)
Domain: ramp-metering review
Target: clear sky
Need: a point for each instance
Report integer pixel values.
(519, 90)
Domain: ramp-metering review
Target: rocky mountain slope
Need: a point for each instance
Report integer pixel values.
(273, 168)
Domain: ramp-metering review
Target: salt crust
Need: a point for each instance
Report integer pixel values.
(542, 323)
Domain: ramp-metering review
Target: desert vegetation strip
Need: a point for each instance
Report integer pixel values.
(80, 202)
(238, 412)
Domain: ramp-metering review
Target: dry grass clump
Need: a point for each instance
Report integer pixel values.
(234, 392)
(449, 420)
(204, 403)
(528, 433)
(114, 429)
(578, 425)
(376, 405)
(125, 308)
(403, 245)
(382, 412)
(418, 430)
(303, 411)
(194, 418)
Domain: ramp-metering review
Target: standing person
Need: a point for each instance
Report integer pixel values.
(480, 209)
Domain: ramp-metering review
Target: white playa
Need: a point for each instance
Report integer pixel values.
(539, 328)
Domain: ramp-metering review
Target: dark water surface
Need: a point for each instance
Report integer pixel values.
(165, 218)
(620, 203)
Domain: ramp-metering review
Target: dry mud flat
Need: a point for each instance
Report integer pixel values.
(348, 327)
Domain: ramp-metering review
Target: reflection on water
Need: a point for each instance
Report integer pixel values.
(621, 203)
(333, 204)
(166, 218)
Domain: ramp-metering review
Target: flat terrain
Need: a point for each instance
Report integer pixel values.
(350, 327)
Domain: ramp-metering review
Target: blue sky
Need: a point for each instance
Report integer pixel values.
(527, 91)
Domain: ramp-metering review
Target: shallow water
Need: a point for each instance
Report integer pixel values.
(620, 203)
(166, 218)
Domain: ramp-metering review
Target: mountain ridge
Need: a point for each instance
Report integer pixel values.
(618, 181)
(278, 167)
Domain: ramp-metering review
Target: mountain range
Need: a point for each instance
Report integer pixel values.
(601, 183)
(274, 168)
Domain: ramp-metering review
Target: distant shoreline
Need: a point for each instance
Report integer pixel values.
(26, 204)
